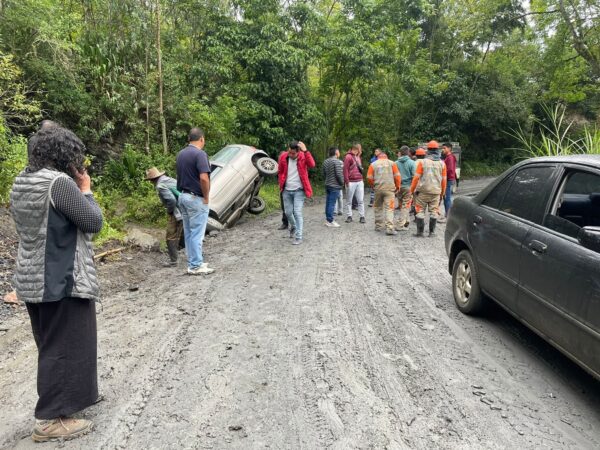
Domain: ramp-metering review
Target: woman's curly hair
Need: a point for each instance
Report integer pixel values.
(57, 148)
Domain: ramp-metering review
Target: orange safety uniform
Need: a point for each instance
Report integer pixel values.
(430, 184)
(383, 175)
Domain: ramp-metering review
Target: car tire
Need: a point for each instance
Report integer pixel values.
(257, 205)
(266, 166)
(465, 285)
(214, 225)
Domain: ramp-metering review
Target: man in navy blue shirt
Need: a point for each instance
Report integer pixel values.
(193, 181)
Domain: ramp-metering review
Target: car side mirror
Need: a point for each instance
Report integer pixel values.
(589, 237)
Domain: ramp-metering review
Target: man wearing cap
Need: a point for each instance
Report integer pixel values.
(193, 181)
(430, 182)
(166, 187)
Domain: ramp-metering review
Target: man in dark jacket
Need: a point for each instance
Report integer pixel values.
(166, 187)
(353, 180)
(333, 171)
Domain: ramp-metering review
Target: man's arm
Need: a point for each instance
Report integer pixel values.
(203, 166)
(397, 176)
(205, 185)
(310, 161)
(416, 178)
(370, 176)
(168, 198)
(346, 170)
(339, 172)
(444, 180)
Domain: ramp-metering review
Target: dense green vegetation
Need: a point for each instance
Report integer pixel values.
(131, 76)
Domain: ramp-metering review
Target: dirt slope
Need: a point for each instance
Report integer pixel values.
(348, 341)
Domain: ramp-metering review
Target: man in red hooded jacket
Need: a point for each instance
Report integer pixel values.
(295, 185)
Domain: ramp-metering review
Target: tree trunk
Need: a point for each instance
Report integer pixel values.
(147, 103)
(579, 43)
(160, 81)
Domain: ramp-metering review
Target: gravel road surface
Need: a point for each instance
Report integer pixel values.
(350, 340)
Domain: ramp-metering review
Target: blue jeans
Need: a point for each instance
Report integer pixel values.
(448, 197)
(293, 202)
(195, 216)
(332, 196)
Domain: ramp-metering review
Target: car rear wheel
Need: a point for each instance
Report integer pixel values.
(266, 166)
(257, 205)
(465, 285)
(213, 225)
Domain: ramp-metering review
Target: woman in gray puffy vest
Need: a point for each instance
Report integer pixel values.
(56, 215)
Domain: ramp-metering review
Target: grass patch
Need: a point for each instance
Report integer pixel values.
(555, 137)
(473, 169)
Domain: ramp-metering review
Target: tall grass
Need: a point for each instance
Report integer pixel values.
(555, 136)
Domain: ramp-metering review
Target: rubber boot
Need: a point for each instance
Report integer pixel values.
(432, 224)
(173, 253)
(420, 227)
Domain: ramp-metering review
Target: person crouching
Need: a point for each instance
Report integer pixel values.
(166, 188)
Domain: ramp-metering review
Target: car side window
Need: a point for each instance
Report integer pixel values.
(528, 193)
(494, 198)
(578, 205)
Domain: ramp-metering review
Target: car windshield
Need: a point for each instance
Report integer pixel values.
(225, 155)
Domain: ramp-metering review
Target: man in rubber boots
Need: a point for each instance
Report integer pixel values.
(166, 188)
(384, 178)
(430, 182)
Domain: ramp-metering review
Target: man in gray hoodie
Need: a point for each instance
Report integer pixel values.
(407, 171)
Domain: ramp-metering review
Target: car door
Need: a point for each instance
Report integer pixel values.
(559, 288)
(500, 225)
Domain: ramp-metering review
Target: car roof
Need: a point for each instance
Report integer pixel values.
(589, 160)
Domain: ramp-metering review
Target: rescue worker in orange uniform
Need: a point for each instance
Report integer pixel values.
(430, 183)
(384, 177)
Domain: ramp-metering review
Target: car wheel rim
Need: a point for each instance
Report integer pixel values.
(255, 203)
(267, 165)
(463, 284)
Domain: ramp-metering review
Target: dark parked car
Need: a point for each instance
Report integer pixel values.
(531, 242)
(237, 173)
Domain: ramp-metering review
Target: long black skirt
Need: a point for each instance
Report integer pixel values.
(65, 335)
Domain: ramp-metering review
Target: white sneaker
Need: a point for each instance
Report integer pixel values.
(202, 270)
(335, 224)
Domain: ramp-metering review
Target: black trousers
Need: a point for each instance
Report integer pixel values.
(65, 335)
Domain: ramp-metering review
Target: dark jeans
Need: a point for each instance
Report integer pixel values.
(448, 196)
(332, 196)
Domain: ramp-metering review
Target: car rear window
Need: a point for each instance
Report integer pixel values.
(225, 155)
(528, 193)
(494, 198)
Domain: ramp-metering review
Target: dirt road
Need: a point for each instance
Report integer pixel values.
(351, 340)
